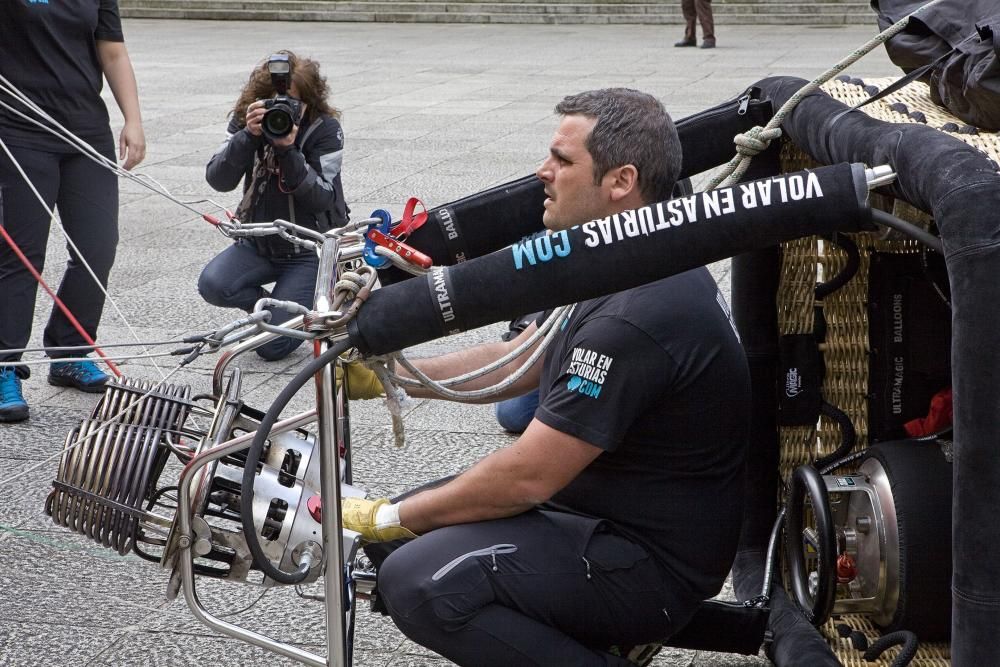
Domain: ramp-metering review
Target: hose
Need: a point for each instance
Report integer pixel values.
(253, 456)
(911, 230)
(824, 290)
(903, 638)
(848, 435)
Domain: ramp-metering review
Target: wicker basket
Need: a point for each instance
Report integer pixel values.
(846, 348)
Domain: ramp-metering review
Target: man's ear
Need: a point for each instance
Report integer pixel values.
(624, 181)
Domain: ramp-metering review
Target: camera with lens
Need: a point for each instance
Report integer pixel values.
(283, 112)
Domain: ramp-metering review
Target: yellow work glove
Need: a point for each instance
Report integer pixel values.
(362, 383)
(376, 520)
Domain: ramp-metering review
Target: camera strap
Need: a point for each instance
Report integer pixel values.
(300, 142)
(258, 183)
(265, 165)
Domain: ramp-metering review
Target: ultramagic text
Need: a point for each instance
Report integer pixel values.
(542, 248)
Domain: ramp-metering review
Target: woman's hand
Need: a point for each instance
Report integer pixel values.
(117, 68)
(286, 141)
(131, 145)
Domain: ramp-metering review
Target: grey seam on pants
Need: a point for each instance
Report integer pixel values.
(487, 551)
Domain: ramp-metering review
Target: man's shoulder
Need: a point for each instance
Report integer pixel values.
(666, 297)
(683, 309)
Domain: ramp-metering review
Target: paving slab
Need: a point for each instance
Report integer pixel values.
(434, 111)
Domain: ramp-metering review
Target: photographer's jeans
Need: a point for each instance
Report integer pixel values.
(234, 279)
(516, 413)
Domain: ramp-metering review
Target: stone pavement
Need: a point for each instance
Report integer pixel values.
(435, 111)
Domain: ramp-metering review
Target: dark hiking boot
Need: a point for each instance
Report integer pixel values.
(82, 375)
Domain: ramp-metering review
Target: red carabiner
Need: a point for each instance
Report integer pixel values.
(410, 254)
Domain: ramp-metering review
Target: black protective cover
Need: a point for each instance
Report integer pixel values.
(909, 331)
(612, 254)
(932, 32)
(920, 478)
(800, 374)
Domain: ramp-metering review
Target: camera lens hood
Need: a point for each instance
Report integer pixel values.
(280, 118)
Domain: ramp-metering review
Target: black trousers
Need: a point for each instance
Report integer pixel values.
(86, 196)
(541, 588)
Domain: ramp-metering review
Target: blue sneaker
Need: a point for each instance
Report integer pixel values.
(82, 375)
(13, 407)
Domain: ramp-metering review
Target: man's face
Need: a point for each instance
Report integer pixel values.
(568, 175)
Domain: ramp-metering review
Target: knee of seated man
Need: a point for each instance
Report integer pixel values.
(409, 593)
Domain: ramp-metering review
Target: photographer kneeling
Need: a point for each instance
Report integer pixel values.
(285, 143)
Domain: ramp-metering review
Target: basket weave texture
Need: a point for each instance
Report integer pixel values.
(805, 262)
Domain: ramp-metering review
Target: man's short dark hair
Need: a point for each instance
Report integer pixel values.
(632, 128)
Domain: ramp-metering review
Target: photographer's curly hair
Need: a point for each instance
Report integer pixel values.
(310, 84)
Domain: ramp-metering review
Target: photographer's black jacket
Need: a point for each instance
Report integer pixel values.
(305, 190)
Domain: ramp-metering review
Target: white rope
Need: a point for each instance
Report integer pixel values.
(396, 401)
(441, 388)
(757, 139)
(59, 131)
(547, 330)
(80, 348)
(112, 358)
(72, 245)
(393, 383)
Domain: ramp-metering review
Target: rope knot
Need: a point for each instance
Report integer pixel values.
(349, 285)
(755, 141)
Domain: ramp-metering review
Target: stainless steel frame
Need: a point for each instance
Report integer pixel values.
(338, 546)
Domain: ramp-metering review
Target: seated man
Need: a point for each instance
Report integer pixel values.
(618, 510)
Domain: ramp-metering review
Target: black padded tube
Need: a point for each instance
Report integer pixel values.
(753, 297)
(486, 221)
(960, 187)
(612, 254)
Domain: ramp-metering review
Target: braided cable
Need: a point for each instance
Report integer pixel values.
(758, 138)
(441, 387)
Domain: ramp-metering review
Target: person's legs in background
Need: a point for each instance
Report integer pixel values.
(690, 17)
(88, 210)
(704, 11)
(296, 282)
(515, 414)
(24, 219)
(233, 278)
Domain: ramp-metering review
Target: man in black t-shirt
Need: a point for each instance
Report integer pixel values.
(618, 509)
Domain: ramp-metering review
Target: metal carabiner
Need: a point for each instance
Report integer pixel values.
(385, 223)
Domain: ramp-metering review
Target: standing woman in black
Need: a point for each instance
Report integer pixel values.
(57, 52)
